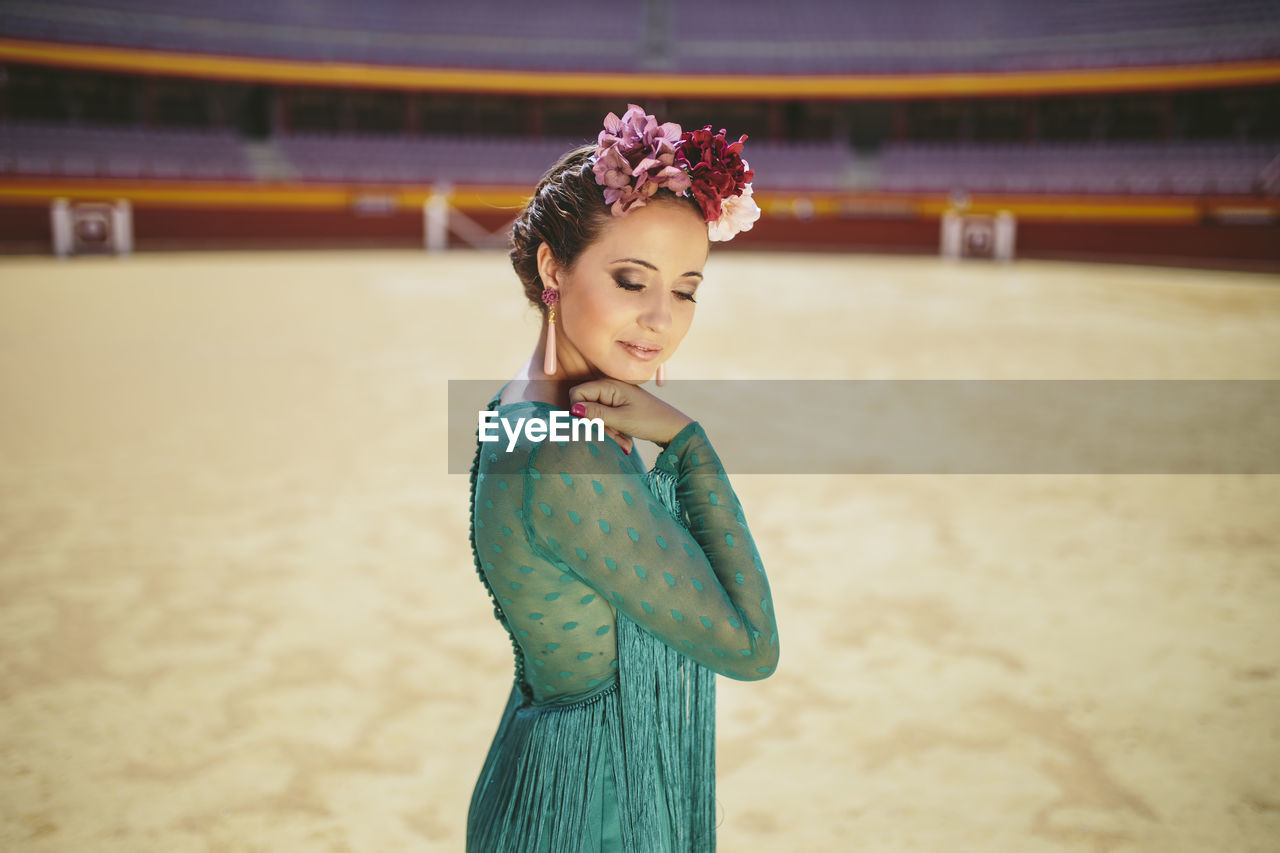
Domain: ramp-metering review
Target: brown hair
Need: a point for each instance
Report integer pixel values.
(567, 212)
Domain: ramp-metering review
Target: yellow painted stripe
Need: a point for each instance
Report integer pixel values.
(509, 200)
(627, 85)
(1095, 208)
(250, 195)
(1029, 209)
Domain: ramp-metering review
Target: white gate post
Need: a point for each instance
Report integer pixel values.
(1004, 237)
(122, 226)
(60, 226)
(435, 212)
(951, 234)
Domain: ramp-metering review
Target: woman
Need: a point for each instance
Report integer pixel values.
(623, 591)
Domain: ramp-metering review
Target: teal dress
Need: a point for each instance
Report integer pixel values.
(624, 592)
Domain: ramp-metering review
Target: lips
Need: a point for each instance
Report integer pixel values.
(642, 350)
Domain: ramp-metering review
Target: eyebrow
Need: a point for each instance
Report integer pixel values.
(649, 265)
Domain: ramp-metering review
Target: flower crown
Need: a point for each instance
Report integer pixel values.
(635, 156)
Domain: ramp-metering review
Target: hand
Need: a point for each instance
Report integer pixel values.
(628, 410)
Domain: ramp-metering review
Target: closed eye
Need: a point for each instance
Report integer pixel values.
(635, 287)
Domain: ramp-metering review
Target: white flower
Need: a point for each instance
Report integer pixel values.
(737, 213)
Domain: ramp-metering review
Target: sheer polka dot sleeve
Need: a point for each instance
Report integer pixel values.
(695, 582)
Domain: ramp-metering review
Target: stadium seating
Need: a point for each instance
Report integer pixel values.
(30, 148)
(333, 157)
(47, 148)
(835, 36)
(724, 36)
(1176, 168)
(508, 160)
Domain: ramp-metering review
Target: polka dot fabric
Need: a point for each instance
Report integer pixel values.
(568, 533)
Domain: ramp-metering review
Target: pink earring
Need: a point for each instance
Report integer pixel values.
(661, 377)
(550, 296)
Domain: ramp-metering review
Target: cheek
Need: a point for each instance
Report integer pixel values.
(595, 318)
(612, 312)
(683, 321)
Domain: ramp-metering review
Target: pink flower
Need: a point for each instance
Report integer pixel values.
(634, 157)
(737, 213)
(611, 168)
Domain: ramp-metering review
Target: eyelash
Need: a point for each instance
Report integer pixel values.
(635, 287)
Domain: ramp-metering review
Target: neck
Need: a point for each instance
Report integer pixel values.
(571, 369)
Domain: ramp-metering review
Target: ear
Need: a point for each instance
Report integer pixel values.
(548, 269)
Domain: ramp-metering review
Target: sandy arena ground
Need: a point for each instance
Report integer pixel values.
(238, 610)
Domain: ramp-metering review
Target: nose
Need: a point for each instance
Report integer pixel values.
(655, 315)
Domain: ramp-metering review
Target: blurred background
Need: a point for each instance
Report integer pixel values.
(1125, 129)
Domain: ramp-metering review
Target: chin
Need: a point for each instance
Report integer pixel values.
(632, 374)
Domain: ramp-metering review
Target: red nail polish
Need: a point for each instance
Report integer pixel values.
(577, 410)
(627, 451)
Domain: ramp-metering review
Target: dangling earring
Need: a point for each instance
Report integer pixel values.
(661, 377)
(550, 296)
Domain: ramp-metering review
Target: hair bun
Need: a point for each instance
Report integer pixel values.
(567, 212)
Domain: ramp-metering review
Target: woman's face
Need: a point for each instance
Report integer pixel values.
(627, 301)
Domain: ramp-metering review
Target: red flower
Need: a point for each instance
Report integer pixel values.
(715, 168)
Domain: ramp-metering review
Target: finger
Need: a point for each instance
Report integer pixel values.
(591, 410)
(624, 440)
(596, 402)
(607, 392)
(587, 392)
